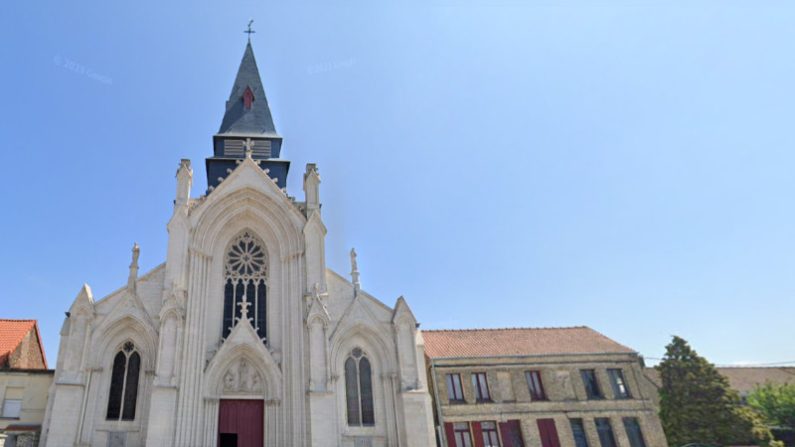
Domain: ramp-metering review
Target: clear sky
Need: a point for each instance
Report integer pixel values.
(626, 165)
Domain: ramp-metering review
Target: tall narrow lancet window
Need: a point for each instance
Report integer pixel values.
(246, 275)
(123, 394)
(359, 390)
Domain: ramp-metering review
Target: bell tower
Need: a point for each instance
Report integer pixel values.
(247, 126)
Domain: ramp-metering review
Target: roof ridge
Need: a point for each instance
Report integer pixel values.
(24, 320)
(525, 328)
(754, 366)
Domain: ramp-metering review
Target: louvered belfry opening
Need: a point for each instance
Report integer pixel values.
(246, 280)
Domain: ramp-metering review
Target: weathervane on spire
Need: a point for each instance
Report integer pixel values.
(249, 31)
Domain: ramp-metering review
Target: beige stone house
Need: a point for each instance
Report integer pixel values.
(545, 387)
(24, 381)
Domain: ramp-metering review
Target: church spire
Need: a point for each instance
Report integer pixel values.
(247, 125)
(247, 110)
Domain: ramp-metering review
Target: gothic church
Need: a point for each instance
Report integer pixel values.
(242, 337)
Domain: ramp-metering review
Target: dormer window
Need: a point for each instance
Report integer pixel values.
(248, 98)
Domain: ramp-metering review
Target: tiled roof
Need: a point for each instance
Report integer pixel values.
(744, 379)
(468, 343)
(11, 334)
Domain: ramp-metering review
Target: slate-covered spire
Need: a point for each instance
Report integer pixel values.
(247, 111)
(247, 117)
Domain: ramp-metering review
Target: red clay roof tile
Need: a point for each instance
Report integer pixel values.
(468, 343)
(11, 334)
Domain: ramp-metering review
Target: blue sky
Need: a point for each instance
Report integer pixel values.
(626, 165)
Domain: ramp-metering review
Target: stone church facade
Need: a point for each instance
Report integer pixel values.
(242, 337)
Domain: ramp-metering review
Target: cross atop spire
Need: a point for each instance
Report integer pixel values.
(249, 31)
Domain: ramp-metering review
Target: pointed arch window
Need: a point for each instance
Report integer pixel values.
(359, 389)
(123, 395)
(246, 276)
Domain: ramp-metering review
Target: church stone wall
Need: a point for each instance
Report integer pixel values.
(174, 316)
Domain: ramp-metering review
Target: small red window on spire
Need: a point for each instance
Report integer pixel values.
(248, 98)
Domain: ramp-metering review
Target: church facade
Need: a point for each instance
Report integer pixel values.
(242, 337)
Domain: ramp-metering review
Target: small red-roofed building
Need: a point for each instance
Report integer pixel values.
(24, 382)
(539, 387)
(20, 345)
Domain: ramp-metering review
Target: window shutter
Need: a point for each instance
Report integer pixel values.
(548, 432)
(477, 433)
(449, 434)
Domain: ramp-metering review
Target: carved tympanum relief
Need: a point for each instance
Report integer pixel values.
(241, 377)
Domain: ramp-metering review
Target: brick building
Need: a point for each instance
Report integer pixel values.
(24, 381)
(546, 387)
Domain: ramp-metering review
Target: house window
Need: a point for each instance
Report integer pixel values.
(511, 434)
(578, 431)
(481, 386)
(455, 392)
(605, 431)
(490, 438)
(246, 276)
(359, 390)
(462, 435)
(124, 384)
(620, 389)
(535, 385)
(12, 408)
(633, 432)
(592, 389)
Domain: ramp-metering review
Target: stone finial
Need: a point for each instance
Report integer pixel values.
(133, 277)
(184, 182)
(354, 271)
(312, 188)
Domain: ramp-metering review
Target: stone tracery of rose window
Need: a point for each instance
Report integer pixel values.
(246, 275)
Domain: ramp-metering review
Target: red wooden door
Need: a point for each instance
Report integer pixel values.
(240, 423)
(548, 432)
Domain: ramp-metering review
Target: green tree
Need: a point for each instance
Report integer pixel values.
(697, 404)
(776, 404)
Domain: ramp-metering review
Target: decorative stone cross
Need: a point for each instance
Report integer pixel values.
(249, 145)
(244, 310)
